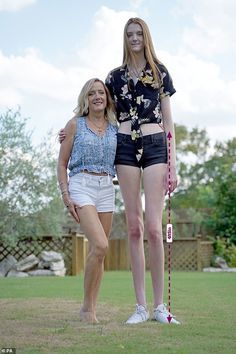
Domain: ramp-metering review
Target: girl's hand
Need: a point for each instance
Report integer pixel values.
(171, 181)
(61, 135)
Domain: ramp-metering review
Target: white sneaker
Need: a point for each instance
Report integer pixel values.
(162, 315)
(141, 314)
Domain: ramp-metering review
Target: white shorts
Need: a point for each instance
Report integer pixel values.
(86, 189)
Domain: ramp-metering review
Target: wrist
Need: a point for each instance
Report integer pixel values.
(63, 185)
(67, 202)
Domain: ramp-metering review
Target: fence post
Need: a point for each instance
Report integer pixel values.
(79, 251)
(199, 256)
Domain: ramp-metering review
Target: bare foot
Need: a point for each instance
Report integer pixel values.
(95, 319)
(88, 317)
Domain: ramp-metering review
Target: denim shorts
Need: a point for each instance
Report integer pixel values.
(154, 150)
(86, 189)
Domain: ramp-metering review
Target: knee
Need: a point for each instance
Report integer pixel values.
(135, 231)
(100, 250)
(154, 234)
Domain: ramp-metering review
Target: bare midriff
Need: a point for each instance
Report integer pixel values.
(147, 129)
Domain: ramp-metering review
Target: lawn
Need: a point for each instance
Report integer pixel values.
(40, 316)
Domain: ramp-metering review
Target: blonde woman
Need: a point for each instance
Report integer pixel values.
(88, 151)
(141, 88)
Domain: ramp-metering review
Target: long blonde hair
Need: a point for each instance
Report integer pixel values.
(82, 108)
(149, 51)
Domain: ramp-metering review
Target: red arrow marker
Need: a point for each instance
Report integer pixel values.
(169, 136)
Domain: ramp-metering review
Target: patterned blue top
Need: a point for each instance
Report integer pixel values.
(92, 152)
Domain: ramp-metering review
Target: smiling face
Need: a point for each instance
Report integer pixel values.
(97, 98)
(135, 37)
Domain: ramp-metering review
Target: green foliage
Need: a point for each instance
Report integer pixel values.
(225, 249)
(223, 217)
(208, 181)
(194, 141)
(30, 204)
(230, 255)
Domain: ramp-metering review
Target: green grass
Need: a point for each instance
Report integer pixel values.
(40, 316)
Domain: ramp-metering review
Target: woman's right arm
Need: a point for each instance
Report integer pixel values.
(63, 159)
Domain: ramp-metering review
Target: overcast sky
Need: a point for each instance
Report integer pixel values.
(49, 48)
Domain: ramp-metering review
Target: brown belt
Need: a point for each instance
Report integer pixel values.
(95, 173)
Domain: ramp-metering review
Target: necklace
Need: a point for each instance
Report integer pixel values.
(136, 71)
(99, 129)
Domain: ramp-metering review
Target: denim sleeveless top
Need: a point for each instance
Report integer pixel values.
(92, 152)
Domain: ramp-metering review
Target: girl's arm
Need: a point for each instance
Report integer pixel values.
(170, 134)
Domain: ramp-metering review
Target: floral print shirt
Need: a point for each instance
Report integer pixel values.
(140, 102)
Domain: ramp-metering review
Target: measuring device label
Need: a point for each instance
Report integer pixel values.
(169, 233)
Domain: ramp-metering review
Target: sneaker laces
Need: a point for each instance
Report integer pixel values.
(141, 314)
(140, 308)
(164, 310)
(140, 311)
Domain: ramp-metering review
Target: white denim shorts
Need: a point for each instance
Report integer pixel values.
(86, 189)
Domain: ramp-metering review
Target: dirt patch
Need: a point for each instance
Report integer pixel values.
(50, 324)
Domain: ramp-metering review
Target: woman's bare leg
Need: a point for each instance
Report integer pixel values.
(129, 180)
(106, 221)
(154, 189)
(93, 229)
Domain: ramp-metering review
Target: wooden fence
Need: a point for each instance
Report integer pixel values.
(186, 254)
(189, 254)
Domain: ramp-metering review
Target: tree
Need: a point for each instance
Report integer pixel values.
(30, 204)
(191, 148)
(193, 141)
(222, 220)
(208, 185)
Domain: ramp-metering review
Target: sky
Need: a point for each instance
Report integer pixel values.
(49, 48)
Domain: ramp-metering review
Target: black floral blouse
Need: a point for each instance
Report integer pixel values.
(140, 103)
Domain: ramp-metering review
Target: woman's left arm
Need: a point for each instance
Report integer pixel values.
(171, 150)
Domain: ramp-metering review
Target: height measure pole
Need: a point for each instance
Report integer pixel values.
(169, 228)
